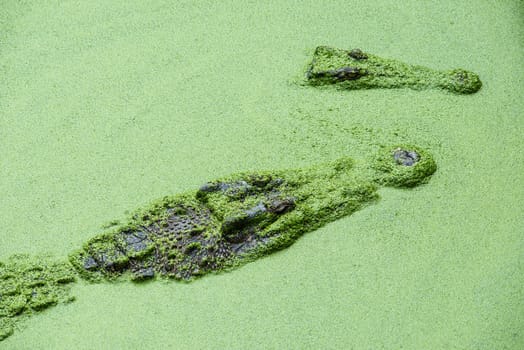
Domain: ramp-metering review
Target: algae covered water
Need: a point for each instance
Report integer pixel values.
(106, 106)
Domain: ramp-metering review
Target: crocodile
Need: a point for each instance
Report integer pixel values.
(355, 69)
(220, 226)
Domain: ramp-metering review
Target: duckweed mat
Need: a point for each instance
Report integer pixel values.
(105, 105)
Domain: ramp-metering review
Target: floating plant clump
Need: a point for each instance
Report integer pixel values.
(222, 225)
(354, 69)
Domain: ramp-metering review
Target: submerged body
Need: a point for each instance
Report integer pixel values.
(225, 223)
(354, 69)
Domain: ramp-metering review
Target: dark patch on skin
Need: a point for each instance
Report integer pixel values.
(341, 74)
(144, 274)
(90, 263)
(135, 241)
(281, 206)
(405, 157)
(357, 54)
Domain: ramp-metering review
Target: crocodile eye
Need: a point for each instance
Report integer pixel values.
(405, 157)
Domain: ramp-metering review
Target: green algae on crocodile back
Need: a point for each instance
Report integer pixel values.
(236, 219)
(354, 69)
(222, 225)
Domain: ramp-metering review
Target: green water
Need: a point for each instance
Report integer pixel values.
(105, 106)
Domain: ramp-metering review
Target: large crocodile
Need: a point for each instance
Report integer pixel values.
(222, 225)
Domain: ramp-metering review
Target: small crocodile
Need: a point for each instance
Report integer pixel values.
(355, 69)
